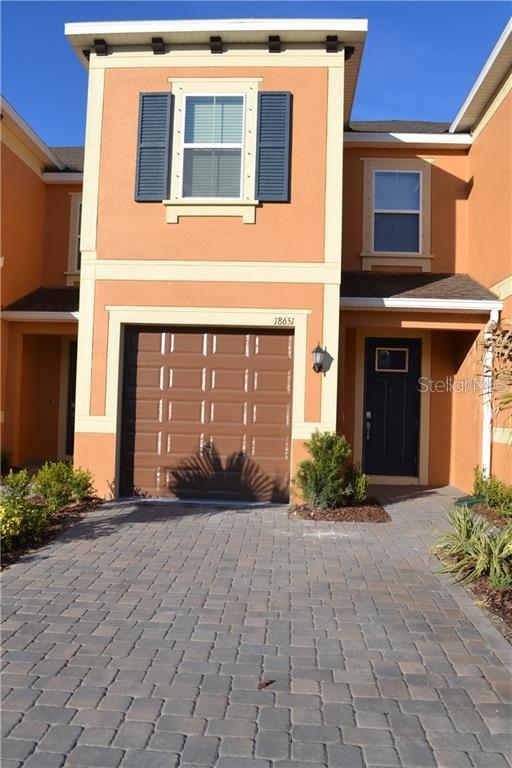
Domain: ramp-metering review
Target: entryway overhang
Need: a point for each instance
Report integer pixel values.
(45, 305)
(416, 292)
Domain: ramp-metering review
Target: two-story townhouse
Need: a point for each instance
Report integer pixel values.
(40, 262)
(234, 220)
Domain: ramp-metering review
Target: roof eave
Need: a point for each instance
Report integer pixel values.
(37, 145)
(499, 59)
(448, 141)
(475, 306)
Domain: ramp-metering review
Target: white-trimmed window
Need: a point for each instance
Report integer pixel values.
(396, 211)
(75, 217)
(396, 216)
(213, 146)
(213, 163)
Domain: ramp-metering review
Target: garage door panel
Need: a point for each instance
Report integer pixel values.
(270, 447)
(229, 380)
(228, 413)
(272, 381)
(230, 345)
(271, 414)
(190, 411)
(188, 345)
(207, 414)
(186, 378)
(274, 346)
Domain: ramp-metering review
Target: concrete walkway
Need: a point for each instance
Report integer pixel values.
(139, 637)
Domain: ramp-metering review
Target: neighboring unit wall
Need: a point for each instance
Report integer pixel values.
(23, 223)
(449, 190)
(490, 236)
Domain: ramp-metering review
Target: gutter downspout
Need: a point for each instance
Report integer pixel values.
(488, 393)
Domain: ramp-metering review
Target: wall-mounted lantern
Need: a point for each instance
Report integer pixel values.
(318, 358)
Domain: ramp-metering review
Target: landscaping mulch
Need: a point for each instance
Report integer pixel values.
(497, 601)
(57, 524)
(492, 515)
(370, 512)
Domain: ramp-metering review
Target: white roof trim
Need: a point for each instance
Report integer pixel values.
(372, 137)
(215, 25)
(480, 81)
(20, 123)
(445, 305)
(54, 177)
(21, 316)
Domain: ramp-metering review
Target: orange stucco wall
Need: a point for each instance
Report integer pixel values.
(490, 199)
(23, 222)
(448, 199)
(490, 231)
(282, 232)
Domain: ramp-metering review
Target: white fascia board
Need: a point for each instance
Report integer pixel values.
(480, 81)
(50, 177)
(9, 112)
(444, 305)
(215, 25)
(431, 139)
(38, 317)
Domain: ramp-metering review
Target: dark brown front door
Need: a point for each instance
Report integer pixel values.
(207, 414)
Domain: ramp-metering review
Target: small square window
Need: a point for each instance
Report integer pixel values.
(391, 360)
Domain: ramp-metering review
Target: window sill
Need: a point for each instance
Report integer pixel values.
(245, 209)
(399, 260)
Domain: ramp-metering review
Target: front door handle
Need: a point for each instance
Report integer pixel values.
(368, 426)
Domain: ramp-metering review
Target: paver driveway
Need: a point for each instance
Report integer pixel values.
(140, 636)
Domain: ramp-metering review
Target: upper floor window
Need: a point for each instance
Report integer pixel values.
(213, 146)
(396, 211)
(74, 253)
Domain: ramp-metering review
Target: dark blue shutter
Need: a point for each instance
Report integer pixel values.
(273, 159)
(153, 147)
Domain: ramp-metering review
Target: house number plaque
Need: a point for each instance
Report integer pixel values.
(284, 320)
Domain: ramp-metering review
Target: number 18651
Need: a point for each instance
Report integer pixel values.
(286, 320)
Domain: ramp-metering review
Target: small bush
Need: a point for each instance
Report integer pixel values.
(324, 480)
(21, 521)
(16, 484)
(58, 484)
(357, 484)
(494, 492)
(473, 550)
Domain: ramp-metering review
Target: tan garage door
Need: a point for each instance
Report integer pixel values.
(207, 414)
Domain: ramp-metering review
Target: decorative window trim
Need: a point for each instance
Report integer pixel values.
(245, 206)
(73, 270)
(423, 257)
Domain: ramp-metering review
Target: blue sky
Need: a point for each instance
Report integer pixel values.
(420, 59)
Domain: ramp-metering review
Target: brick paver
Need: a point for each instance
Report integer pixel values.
(139, 638)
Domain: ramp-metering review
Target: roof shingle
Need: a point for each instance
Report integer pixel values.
(421, 285)
(63, 299)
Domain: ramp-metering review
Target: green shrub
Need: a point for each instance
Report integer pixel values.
(473, 550)
(16, 484)
(324, 480)
(357, 484)
(494, 492)
(21, 521)
(59, 484)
